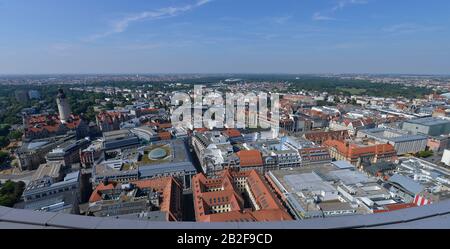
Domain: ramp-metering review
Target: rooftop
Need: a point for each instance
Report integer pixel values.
(52, 170)
(250, 158)
(428, 121)
(407, 183)
(393, 135)
(226, 190)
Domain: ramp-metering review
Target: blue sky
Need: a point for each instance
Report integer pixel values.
(221, 36)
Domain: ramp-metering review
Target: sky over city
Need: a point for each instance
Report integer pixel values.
(224, 36)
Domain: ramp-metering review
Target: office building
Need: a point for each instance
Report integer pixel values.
(420, 182)
(357, 153)
(214, 151)
(119, 140)
(428, 126)
(32, 154)
(402, 141)
(328, 190)
(48, 192)
(139, 200)
(159, 159)
(68, 153)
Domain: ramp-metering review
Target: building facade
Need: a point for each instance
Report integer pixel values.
(357, 154)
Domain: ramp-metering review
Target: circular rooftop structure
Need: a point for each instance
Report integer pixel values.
(157, 154)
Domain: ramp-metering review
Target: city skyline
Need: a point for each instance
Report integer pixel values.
(219, 36)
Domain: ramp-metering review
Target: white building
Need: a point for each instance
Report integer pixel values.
(446, 157)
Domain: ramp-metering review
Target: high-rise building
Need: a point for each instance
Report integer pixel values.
(63, 106)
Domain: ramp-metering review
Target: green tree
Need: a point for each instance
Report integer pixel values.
(4, 130)
(16, 135)
(10, 193)
(4, 141)
(425, 153)
(3, 156)
(109, 106)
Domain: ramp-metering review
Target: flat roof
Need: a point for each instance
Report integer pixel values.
(343, 165)
(310, 182)
(49, 169)
(394, 135)
(407, 183)
(349, 177)
(428, 121)
(335, 206)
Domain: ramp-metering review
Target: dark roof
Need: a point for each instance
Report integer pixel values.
(373, 169)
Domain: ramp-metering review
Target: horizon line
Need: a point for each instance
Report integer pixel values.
(229, 73)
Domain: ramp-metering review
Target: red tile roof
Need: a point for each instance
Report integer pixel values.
(50, 123)
(96, 195)
(201, 129)
(354, 151)
(166, 186)
(165, 135)
(394, 207)
(223, 191)
(250, 158)
(232, 133)
(322, 136)
(165, 126)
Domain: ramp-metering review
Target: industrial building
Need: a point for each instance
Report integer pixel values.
(428, 126)
(402, 141)
(328, 190)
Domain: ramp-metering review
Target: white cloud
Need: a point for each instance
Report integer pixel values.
(202, 2)
(281, 19)
(319, 17)
(61, 49)
(327, 15)
(407, 28)
(122, 25)
(156, 45)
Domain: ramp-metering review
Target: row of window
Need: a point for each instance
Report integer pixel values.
(53, 192)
